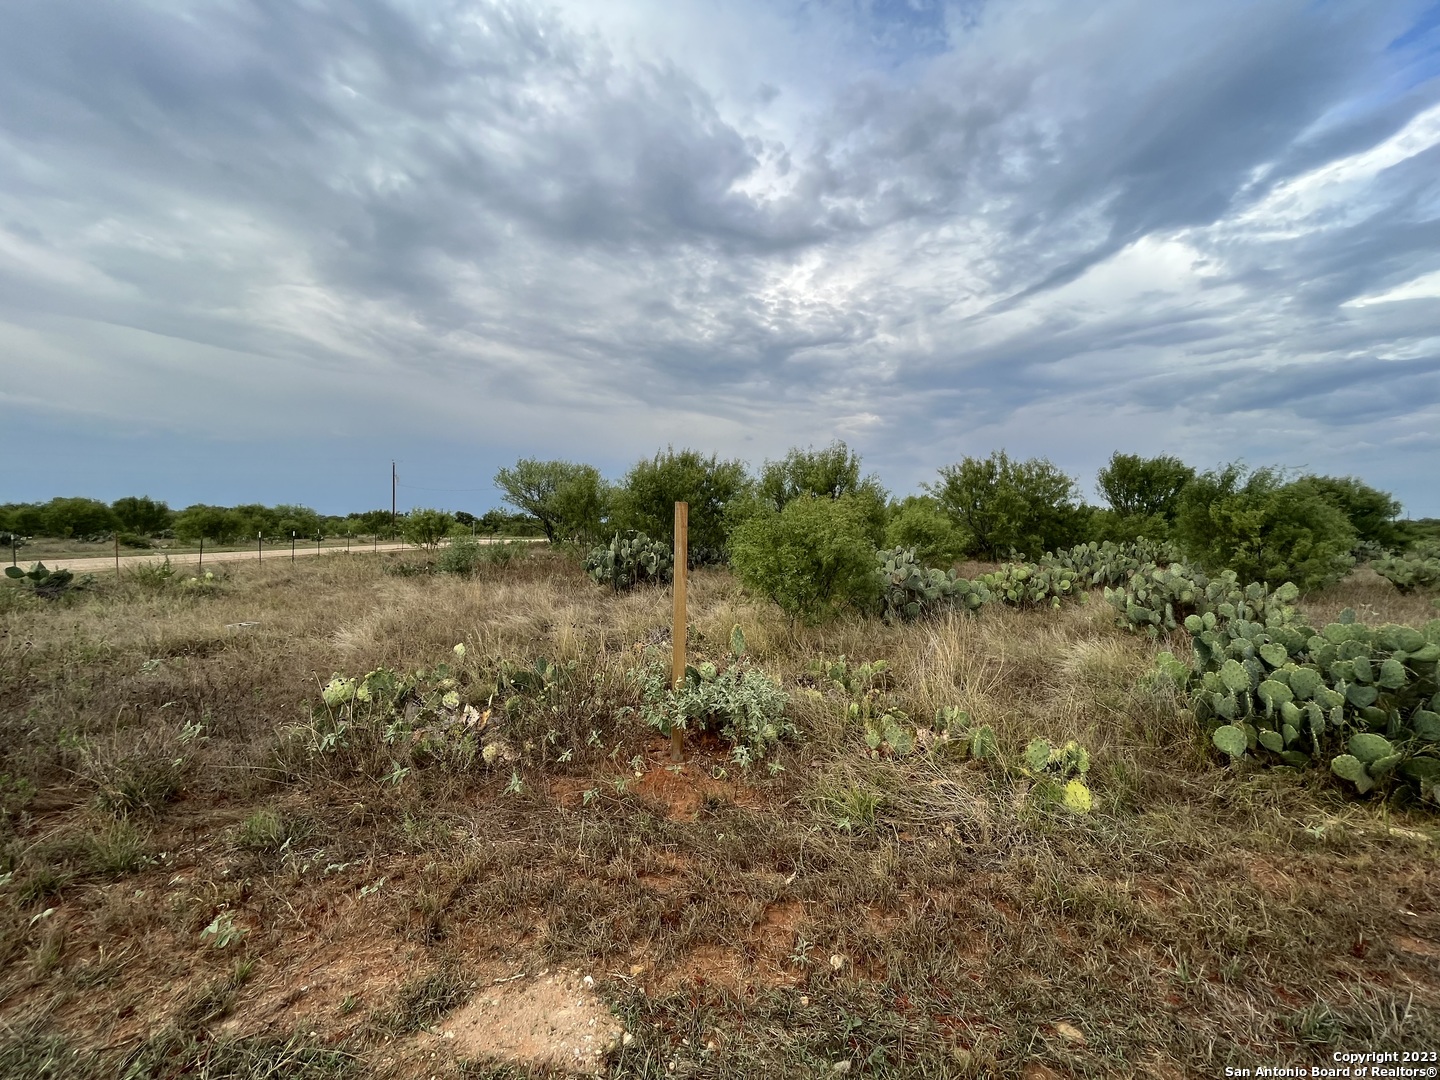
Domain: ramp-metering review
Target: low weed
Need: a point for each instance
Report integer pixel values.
(179, 1053)
(118, 848)
(268, 830)
(422, 1001)
(851, 805)
(134, 772)
(214, 998)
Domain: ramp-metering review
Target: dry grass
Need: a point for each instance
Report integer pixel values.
(1373, 599)
(913, 917)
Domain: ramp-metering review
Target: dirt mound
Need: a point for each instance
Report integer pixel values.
(552, 1020)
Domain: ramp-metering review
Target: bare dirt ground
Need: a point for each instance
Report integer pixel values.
(204, 871)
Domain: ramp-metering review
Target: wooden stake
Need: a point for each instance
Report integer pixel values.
(677, 633)
(117, 554)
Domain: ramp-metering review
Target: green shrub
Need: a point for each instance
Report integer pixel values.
(423, 528)
(142, 516)
(214, 523)
(82, 519)
(505, 552)
(742, 704)
(459, 556)
(918, 523)
(569, 501)
(631, 559)
(830, 473)
(1010, 506)
(1371, 512)
(1107, 525)
(812, 558)
(1264, 528)
(645, 501)
(1418, 568)
(1144, 490)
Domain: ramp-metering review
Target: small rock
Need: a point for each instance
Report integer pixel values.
(1069, 1032)
(838, 961)
(626, 1039)
(589, 982)
(841, 1067)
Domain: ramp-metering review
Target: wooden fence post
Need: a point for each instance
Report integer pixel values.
(677, 633)
(117, 554)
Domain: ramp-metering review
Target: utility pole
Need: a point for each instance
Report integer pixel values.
(392, 500)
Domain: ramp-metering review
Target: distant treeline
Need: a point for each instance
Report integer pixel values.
(989, 508)
(138, 520)
(1264, 520)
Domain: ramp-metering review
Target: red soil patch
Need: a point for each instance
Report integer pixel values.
(1427, 949)
(755, 962)
(314, 986)
(683, 788)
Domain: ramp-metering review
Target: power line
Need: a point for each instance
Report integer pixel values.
(417, 487)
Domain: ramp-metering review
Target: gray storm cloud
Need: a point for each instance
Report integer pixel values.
(932, 230)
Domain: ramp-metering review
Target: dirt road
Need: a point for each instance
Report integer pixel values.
(94, 564)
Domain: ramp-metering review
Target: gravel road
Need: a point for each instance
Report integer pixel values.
(94, 564)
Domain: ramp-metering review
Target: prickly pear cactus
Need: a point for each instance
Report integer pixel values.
(1160, 599)
(1416, 569)
(909, 590)
(1109, 564)
(1058, 773)
(1035, 585)
(46, 582)
(629, 560)
(1363, 700)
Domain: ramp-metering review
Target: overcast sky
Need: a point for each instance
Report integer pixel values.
(252, 251)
